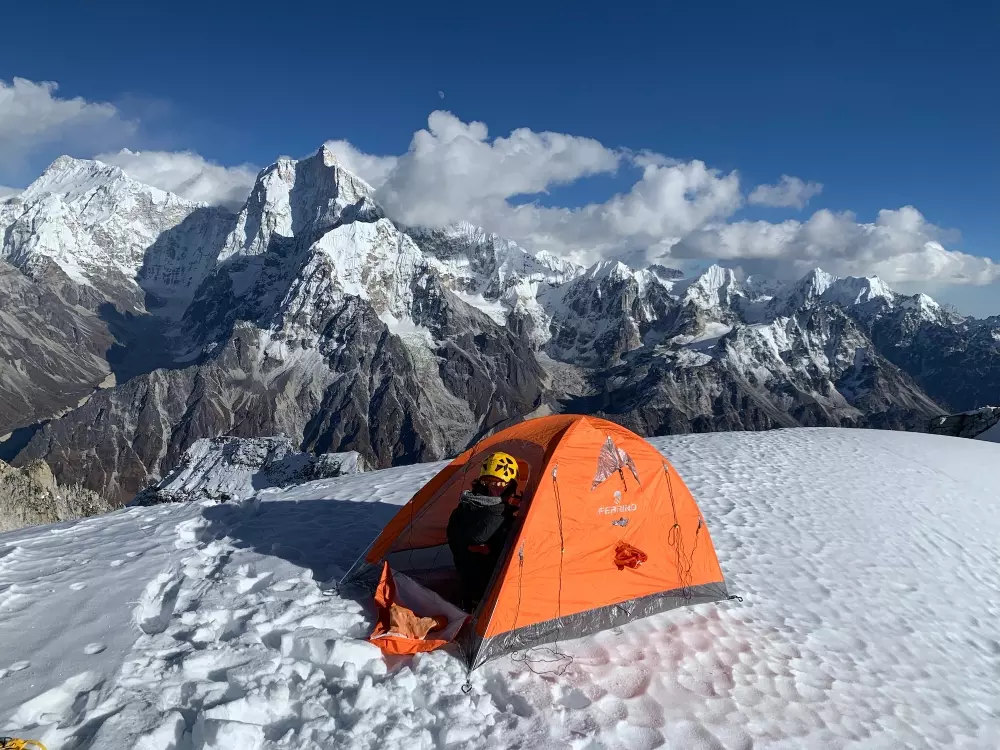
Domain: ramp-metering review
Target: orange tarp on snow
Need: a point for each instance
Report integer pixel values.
(411, 618)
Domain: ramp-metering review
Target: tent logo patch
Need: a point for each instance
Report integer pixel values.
(619, 507)
(623, 522)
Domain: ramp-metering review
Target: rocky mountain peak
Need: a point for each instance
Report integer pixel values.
(98, 191)
(31, 495)
(105, 230)
(295, 198)
(72, 178)
(612, 270)
(664, 274)
(854, 290)
(819, 286)
(713, 288)
(922, 304)
(815, 283)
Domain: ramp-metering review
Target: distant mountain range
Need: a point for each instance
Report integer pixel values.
(135, 322)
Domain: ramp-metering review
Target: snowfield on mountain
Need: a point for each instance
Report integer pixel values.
(867, 561)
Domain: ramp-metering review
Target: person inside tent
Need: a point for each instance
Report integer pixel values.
(479, 526)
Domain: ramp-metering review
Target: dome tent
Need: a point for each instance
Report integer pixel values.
(606, 533)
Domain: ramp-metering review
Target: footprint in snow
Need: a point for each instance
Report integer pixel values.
(78, 586)
(19, 665)
(93, 648)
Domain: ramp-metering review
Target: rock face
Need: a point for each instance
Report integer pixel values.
(970, 424)
(228, 468)
(311, 314)
(52, 348)
(31, 496)
(85, 254)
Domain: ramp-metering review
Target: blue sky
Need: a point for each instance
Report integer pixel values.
(885, 104)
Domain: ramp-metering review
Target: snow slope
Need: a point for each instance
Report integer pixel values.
(867, 561)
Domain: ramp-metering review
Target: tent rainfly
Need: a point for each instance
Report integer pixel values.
(606, 533)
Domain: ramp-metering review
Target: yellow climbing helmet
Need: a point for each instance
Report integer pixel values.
(503, 466)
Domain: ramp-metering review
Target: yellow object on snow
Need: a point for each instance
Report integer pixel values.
(13, 743)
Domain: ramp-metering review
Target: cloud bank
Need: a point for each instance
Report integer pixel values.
(900, 246)
(188, 175)
(674, 210)
(33, 119)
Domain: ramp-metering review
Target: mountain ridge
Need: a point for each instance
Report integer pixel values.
(311, 313)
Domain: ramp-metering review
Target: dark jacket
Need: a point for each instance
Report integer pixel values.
(477, 519)
(477, 531)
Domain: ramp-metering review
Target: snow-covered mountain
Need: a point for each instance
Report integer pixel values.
(80, 248)
(229, 469)
(104, 229)
(310, 313)
(866, 561)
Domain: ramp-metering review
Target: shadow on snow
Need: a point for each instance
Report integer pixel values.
(323, 536)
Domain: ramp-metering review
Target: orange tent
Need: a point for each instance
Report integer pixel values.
(607, 533)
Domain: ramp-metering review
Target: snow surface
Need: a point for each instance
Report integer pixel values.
(867, 561)
(493, 308)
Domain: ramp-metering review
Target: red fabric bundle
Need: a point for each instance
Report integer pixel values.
(627, 556)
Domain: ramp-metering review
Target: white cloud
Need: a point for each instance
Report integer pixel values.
(188, 175)
(647, 158)
(452, 172)
(901, 246)
(676, 210)
(790, 192)
(440, 95)
(664, 205)
(7, 192)
(33, 118)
